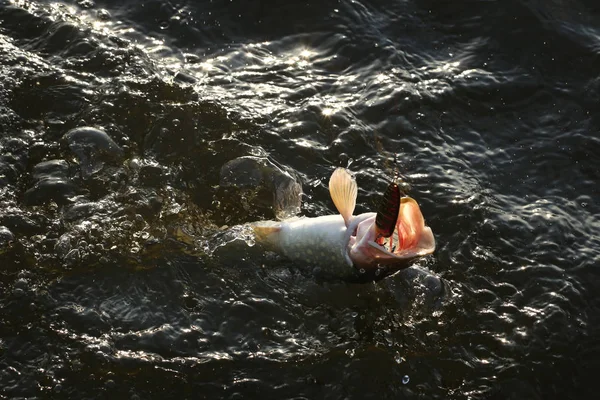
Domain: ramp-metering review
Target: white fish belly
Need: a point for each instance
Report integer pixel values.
(318, 241)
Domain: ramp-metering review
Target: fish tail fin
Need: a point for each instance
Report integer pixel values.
(267, 232)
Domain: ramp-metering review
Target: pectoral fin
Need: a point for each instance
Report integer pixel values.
(343, 190)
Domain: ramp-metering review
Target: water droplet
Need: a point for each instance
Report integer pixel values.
(21, 283)
(91, 147)
(103, 15)
(399, 359)
(86, 3)
(405, 379)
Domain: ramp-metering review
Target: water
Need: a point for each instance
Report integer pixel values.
(118, 277)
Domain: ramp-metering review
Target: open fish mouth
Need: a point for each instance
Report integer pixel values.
(396, 232)
(389, 244)
(399, 225)
(410, 236)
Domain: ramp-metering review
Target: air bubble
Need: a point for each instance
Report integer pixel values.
(164, 25)
(103, 15)
(86, 3)
(405, 379)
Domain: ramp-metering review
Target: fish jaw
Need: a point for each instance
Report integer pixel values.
(411, 239)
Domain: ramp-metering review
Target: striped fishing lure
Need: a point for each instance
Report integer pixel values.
(387, 213)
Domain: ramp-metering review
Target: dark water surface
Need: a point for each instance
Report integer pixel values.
(116, 279)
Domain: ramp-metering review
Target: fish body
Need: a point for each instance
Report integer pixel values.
(321, 241)
(346, 242)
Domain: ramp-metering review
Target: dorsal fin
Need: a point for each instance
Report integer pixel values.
(343, 191)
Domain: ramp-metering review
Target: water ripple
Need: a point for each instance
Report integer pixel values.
(118, 259)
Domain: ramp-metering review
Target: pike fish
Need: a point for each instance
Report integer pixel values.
(347, 243)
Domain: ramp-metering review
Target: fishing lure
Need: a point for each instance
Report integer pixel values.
(387, 213)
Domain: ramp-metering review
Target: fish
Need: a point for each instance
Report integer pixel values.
(346, 243)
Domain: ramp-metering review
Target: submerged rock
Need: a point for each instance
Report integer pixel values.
(13, 161)
(242, 173)
(47, 190)
(6, 239)
(21, 224)
(282, 191)
(52, 183)
(417, 283)
(82, 210)
(51, 168)
(92, 147)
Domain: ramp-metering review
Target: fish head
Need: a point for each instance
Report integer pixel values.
(394, 235)
(368, 248)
